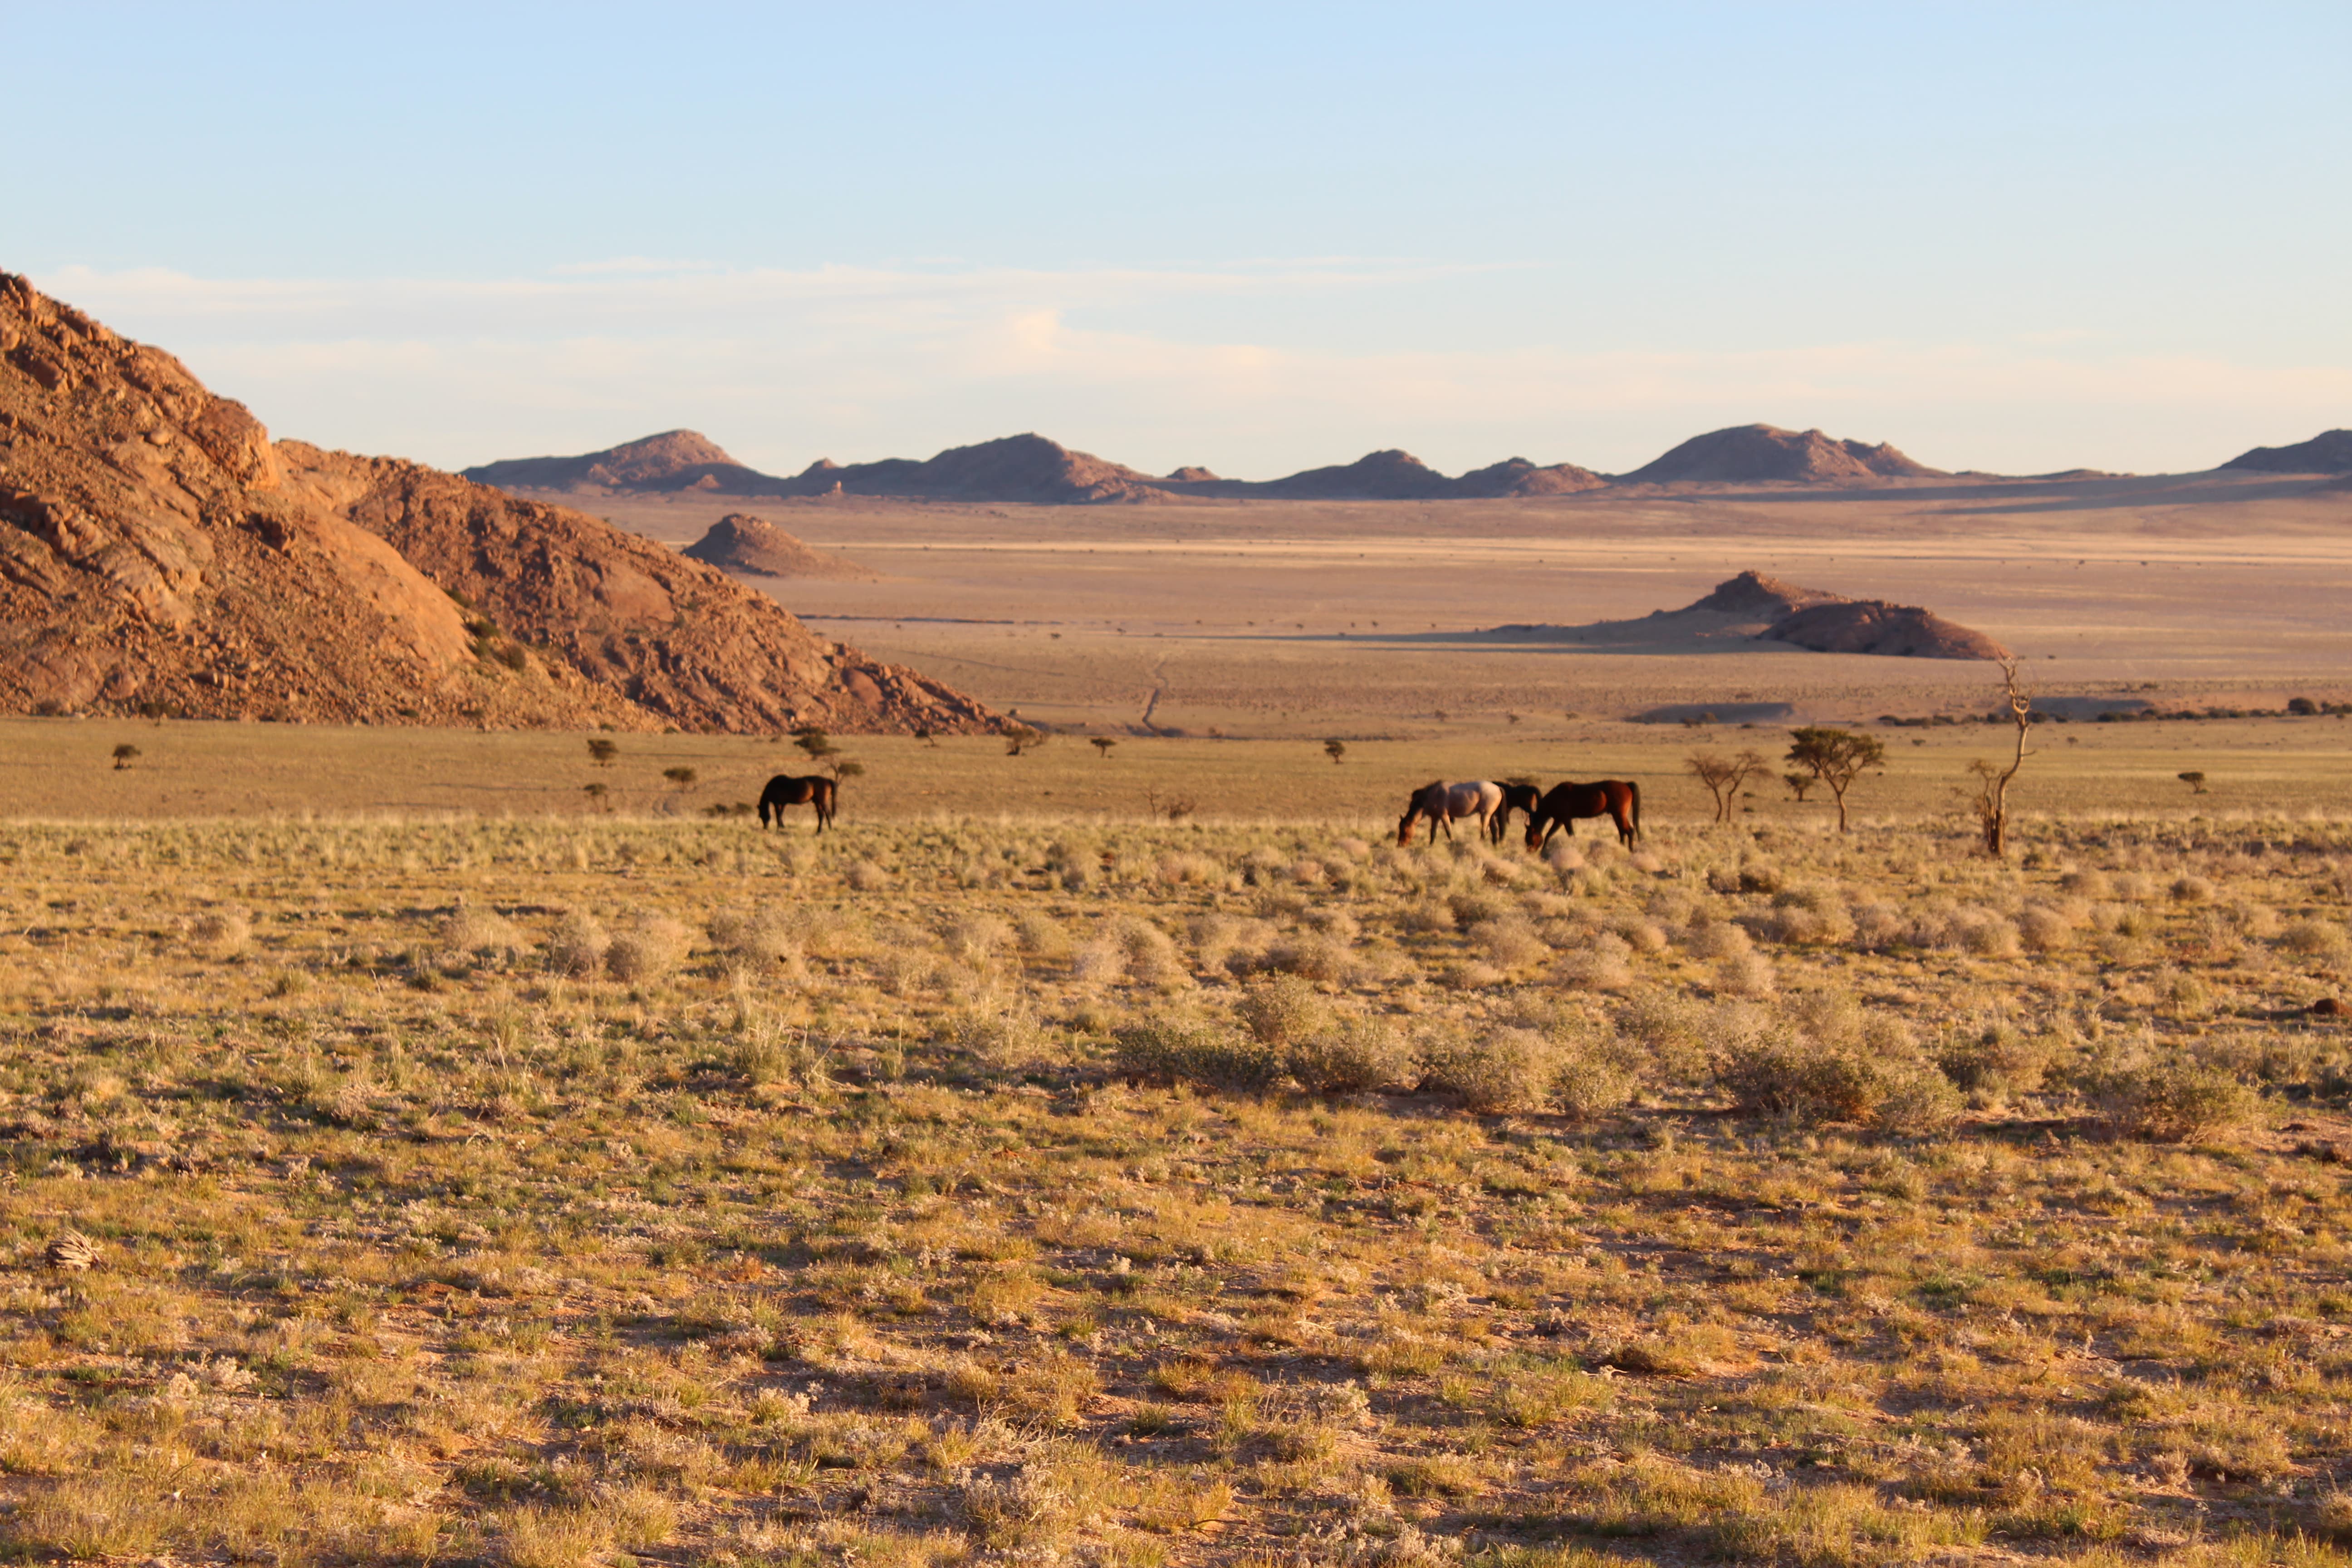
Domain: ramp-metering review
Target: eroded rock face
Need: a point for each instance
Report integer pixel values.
(158, 552)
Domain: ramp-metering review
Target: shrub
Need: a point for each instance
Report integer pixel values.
(2042, 928)
(1353, 1055)
(1494, 1071)
(1822, 1059)
(2314, 939)
(1282, 1010)
(865, 877)
(2170, 1101)
(648, 949)
(225, 931)
(1749, 974)
(577, 945)
(1674, 1031)
(752, 939)
(1311, 955)
(1601, 965)
(1995, 1060)
(1510, 942)
(1174, 1050)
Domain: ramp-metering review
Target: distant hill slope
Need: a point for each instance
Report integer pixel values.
(158, 552)
(742, 542)
(1752, 453)
(1026, 467)
(2330, 452)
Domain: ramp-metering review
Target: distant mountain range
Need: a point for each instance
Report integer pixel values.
(1029, 468)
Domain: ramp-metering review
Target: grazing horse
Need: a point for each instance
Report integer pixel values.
(815, 790)
(1618, 799)
(1443, 803)
(1516, 797)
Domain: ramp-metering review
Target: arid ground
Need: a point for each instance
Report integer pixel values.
(1310, 618)
(444, 1146)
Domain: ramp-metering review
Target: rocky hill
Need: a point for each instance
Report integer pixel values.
(158, 552)
(742, 542)
(673, 460)
(1752, 607)
(2330, 452)
(1748, 454)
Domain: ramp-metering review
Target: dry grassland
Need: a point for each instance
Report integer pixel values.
(545, 1192)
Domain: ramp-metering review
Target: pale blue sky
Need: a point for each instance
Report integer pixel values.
(1255, 237)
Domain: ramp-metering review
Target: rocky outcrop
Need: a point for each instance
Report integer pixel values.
(2330, 452)
(1875, 626)
(1748, 454)
(742, 542)
(158, 552)
(1754, 596)
(1832, 623)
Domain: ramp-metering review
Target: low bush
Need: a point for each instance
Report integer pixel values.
(1174, 1050)
(1353, 1055)
(2170, 1100)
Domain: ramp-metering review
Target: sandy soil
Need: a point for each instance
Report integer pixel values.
(1290, 618)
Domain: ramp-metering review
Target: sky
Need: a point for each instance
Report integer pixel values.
(1256, 237)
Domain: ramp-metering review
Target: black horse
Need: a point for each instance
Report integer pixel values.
(1617, 799)
(814, 789)
(1519, 797)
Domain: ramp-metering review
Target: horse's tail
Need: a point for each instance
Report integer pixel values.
(1633, 804)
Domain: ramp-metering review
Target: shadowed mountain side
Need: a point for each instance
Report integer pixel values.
(158, 552)
(2330, 452)
(742, 542)
(1752, 608)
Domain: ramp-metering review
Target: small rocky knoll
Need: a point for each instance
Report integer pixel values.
(742, 542)
(1752, 607)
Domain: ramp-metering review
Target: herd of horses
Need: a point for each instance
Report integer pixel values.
(1551, 811)
(1439, 804)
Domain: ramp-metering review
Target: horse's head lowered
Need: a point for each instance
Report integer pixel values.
(1427, 801)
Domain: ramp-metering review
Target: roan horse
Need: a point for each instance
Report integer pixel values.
(1444, 803)
(1521, 797)
(1618, 799)
(814, 789)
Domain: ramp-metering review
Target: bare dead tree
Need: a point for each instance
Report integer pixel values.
(1991, 801)
(1724, 778)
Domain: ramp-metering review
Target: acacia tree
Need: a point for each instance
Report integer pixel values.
(1336, 751)
(1993, 782)
(1724, 778)
(1836, 757)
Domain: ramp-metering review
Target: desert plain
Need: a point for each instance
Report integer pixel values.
(1132, 1156)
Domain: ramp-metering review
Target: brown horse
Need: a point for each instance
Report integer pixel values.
(815, 790)
(1516, 797)
(1440, 803)
(1618, 799)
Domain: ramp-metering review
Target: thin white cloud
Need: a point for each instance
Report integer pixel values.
(858, 363)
